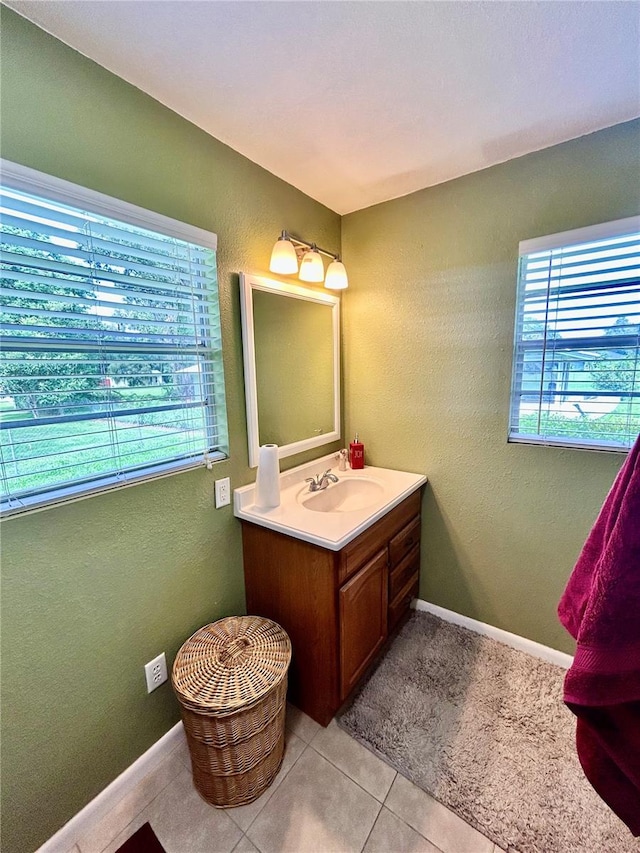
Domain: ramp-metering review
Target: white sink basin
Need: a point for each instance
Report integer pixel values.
(336, 515)
(347, 495)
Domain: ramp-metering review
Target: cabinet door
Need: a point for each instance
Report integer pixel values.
(363, 620)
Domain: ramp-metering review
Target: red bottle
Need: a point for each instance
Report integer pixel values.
(356, 453)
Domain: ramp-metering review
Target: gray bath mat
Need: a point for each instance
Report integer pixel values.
(483, 729)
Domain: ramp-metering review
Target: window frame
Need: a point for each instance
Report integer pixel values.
(566, 239)
(57, 190)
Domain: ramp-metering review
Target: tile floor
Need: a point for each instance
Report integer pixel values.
(331, 794)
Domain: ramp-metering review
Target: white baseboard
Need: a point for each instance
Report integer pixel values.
(514, 640)
(94, 811)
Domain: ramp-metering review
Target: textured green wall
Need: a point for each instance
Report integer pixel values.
(428, 329)
(93, 590)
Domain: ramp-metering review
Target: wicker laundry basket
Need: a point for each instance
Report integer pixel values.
(230, 679)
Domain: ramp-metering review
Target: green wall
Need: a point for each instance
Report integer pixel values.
(93, 590)
(428, 329)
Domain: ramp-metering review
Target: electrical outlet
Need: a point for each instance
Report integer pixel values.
(156, 672)
(223, 492)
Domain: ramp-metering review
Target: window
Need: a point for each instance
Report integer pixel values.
(111, 365)
(576, 366)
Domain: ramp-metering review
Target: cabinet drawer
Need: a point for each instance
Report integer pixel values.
(404, 541)
(399, 607)
(365, 546)
(405, 570)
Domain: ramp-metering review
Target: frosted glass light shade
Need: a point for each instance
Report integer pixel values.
(336, 276)
(311, 267)
(283, 257)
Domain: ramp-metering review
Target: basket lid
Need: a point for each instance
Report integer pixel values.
(231, 663)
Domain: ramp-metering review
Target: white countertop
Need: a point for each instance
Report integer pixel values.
(332, 530)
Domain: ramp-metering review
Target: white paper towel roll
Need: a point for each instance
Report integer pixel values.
(268, 478)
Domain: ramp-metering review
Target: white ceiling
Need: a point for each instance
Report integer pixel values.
(359, 102)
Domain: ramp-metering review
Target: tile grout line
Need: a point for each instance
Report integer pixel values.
(258, 813)
(346, 775)
(309, 745)
(402, 819)
(237, 844)
(433, 844)
(375, 820)
(146, 805)
(172, 779)
(389, 791)
(316, 733)
(412, 828)
(375, 755)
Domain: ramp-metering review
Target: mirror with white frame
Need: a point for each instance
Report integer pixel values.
(291, 344)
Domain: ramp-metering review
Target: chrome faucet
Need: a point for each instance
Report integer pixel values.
(321, 481)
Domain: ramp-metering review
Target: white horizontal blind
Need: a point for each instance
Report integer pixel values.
(576, 367)
(111, 356)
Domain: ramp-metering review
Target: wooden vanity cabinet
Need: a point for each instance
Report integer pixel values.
(338, 607)
(363, 620)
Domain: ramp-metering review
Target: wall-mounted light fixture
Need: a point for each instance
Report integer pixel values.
(288, 250)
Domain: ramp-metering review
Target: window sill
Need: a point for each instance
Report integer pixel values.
(568, 445)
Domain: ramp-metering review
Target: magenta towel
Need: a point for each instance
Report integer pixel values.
(601, 609)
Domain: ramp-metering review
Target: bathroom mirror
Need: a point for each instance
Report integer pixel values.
(291, 344)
